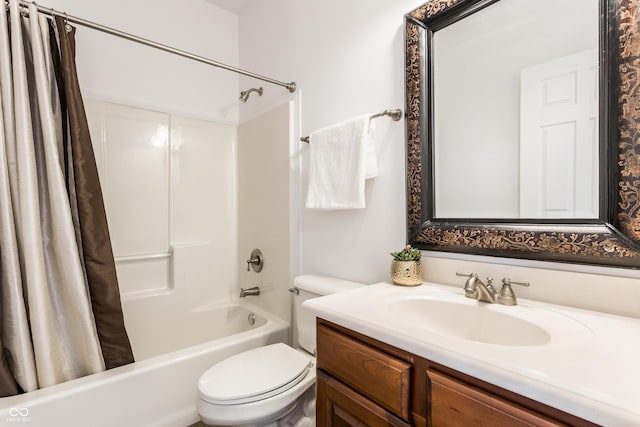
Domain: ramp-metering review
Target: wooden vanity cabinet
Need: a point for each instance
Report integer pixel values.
(364, 382)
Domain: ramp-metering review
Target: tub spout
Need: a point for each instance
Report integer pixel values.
(249, 291)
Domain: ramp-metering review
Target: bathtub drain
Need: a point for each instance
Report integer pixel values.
(251, 318)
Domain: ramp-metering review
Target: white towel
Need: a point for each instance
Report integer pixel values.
(341, 157)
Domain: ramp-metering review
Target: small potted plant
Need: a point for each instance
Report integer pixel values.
(406, 267)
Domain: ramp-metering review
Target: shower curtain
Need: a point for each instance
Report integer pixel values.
(60, 308)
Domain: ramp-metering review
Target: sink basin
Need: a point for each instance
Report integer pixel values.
(456, 317)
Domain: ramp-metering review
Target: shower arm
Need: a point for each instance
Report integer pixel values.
(244, 95)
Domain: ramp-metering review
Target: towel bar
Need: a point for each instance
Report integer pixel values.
(394, 114)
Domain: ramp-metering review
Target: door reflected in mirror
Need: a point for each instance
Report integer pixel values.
(515, 112)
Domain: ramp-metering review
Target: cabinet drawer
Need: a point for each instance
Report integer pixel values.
(455, 403)
(377, 375)
(339, 405)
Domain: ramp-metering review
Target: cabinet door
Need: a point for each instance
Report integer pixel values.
(340, 406)
(381, 377)
(455, 404)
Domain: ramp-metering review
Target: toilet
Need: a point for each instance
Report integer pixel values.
(272, 385)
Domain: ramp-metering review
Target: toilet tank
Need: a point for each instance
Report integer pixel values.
(312, 286)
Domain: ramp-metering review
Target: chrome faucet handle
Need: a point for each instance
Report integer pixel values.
(490, 285)
(466, 274)
(508, 281)
(255, 261)
(506, 295)
(252, 261)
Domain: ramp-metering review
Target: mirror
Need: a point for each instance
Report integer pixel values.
(492, 172)
(529, 138)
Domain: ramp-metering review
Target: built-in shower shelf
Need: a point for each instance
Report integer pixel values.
(143, 257)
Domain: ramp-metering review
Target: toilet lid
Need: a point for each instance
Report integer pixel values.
(254, 375)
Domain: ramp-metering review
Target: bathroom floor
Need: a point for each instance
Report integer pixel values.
(198, 424)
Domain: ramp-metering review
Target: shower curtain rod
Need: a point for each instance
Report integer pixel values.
(291, 86)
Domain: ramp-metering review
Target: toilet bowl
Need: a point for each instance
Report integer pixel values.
(256, 386)
(274, 384)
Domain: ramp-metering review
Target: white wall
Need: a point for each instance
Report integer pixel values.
(347, 58)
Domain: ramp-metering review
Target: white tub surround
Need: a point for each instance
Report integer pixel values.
(593, 374)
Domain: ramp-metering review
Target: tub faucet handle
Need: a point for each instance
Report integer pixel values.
(255, 261)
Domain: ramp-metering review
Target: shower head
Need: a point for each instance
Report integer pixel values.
(244, 95)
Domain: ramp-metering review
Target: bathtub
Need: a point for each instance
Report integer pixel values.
(160, 388)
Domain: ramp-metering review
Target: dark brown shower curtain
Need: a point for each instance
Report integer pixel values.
(86, 194)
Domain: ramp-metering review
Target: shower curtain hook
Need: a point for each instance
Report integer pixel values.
(68, 28)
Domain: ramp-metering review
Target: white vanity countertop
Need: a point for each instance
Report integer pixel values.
(592, 372)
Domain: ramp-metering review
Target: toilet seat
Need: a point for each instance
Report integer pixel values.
(254, 375)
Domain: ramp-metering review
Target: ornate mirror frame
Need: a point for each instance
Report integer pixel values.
(611, 240)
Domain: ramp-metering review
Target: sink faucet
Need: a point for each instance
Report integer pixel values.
(476, 289)
(249, 291)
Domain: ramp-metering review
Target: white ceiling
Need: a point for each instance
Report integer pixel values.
(234, 6)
